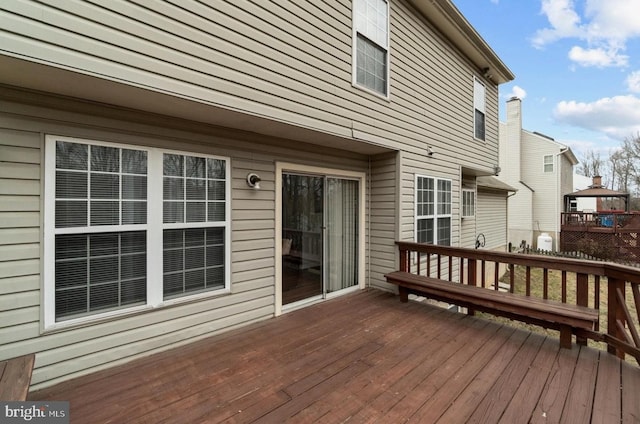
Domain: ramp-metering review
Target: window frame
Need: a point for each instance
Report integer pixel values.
(386, 48)
(440, 200)
(466, 192)
(479, 106)
(153, 227)
(546, 164)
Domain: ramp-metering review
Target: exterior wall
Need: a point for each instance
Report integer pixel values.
(536, 207)
(383, 218)
(188, 77)
(74, 351)
(289, 63)
(20, 218)
(468, 225)
(580, 182)
(491, 217)
(545, 184)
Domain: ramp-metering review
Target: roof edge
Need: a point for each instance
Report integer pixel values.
(451, 23)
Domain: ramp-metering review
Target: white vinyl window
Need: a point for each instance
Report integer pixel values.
(129, 227)
(371, 45)
(548, 163)
(468, 203)
(478, 109)
(433, 210)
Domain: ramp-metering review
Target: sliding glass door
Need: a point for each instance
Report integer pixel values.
(342, 213)
(320, 225)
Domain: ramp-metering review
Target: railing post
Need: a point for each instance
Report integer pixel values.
(404, 260)
(614, 313)
(472, 272)
(582, 298)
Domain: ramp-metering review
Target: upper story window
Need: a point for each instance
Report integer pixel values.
(468, 203)
(371, 41)
(478, 109)
(548, 163)
(433, 210)
(129, 227)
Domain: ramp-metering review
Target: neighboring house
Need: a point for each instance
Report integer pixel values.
(582, 204)
(169, 172)
(541, 169)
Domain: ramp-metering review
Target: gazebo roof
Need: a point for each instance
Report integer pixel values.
(597, 192)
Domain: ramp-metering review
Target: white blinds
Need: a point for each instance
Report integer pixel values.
(342, 233)
(99, 185)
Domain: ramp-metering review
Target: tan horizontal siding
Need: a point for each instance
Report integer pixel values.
(79, 350)
(290, 61)
(492, 218)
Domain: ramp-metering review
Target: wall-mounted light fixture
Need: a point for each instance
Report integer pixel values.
(496, 170)
(429, 151)
(253, 181)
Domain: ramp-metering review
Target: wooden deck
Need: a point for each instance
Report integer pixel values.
(363, 357)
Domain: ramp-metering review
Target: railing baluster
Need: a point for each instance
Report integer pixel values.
(439, 275)
(564, 286)
(461, 268)
(512, 272)
(545, 283)
(428, 264)
(450, 268)
(496, 276)
(527, 281)
(483, 277)
(596, 298)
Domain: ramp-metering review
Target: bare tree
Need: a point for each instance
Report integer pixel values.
(591, 164)
(627, 164)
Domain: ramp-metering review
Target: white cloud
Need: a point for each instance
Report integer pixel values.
(564, 20)
(598, 57)
(613, 19)
(618, 117)
(633, 82)
(605, 26)
(517, 92)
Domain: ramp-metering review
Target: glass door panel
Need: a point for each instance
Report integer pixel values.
(342, 213)
(302, 238)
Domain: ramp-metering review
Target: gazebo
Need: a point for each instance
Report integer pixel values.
(608, 232)
(604, 197)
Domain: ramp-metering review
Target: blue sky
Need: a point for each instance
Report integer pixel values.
(577, 65)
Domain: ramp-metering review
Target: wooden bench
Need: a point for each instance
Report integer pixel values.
(546, 313)
(15, 377)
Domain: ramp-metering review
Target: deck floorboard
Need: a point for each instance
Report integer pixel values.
(362, 358)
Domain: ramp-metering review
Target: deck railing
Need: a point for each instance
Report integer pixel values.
(610, 236)
(611, 288)
(599, 221)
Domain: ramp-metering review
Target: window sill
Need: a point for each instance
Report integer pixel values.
(381, 96)
(120, 314)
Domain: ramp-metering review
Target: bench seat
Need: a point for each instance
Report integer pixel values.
(15, 377)
(547, 313)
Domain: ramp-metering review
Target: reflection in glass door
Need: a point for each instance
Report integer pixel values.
(319, 236)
